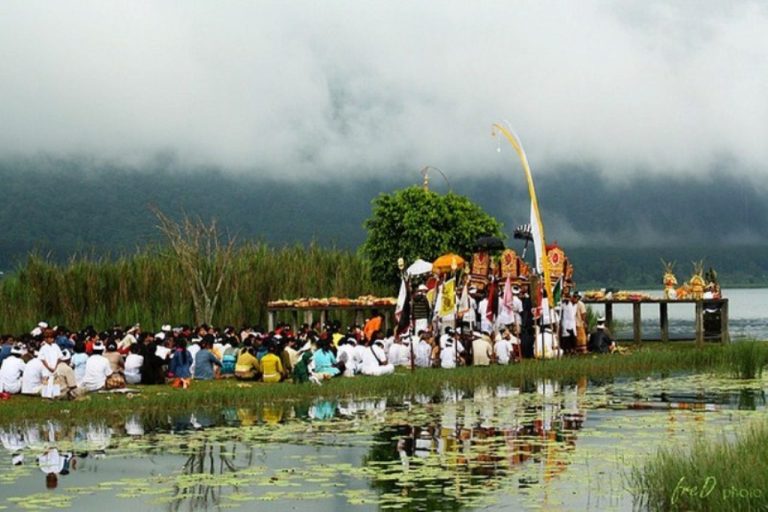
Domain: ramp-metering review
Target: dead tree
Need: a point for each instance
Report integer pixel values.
(204, 256)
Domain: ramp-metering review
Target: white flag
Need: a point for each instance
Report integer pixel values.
(400, 300)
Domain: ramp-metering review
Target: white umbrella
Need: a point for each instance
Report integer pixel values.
(419, 267)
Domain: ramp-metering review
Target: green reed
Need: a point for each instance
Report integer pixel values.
(148, 287)
(713, 475)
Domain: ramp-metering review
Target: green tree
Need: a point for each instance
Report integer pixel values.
(415, 223)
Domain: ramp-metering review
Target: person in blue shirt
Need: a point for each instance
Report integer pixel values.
(63, 340)
(180, 365)
(205, 361)
(5, 348)
(325, 359)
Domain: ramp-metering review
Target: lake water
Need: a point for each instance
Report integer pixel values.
(540, 446)
(748, 315)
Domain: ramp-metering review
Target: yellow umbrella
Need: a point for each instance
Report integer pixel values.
(447, 262)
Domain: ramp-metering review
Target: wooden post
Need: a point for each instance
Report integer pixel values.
(271, 321)
(608, 314)
(664, 321)
(359, 317)
(323, 317)
(295, 320)
(637, 328)
(308, 317)
(699, 323)
(725, 336)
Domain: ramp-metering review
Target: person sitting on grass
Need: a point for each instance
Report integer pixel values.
(207, 366)
(34, 377)
(375, 360)
(11, 370)
(181, 362)
(79, 360)
(247, 366)
(600, 341)
(325, 359)
(97, 369)
(133, 363)
(301, 371)
(271, 366)
(64, 377)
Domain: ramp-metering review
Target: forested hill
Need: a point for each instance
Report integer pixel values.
(614, 233)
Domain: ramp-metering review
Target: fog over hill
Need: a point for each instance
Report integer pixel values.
(75, 204)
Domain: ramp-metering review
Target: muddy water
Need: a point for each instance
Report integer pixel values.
(542, 446)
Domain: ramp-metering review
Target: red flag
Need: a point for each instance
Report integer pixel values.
(490, 311)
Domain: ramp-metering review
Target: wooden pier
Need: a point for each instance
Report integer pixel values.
(699, 306)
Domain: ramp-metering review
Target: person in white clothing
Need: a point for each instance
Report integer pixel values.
(503, 348)
(12, 370)
(448, 355)
(133, 365)
(97, 369)
(129, 339)
(35, 375)
(346, 354)
(482, 311)
(422, 352)
(50, 353)
(193, 349)
(375, 360)
(547, 346)
(568, 324)
(400, 353)
(517, 308)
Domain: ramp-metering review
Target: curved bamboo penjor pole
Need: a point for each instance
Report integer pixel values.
(540, 244)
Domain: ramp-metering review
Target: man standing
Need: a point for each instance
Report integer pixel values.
(581, 325)
(568, 325)
(421, 309)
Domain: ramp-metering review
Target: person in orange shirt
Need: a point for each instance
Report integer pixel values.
(373, 325)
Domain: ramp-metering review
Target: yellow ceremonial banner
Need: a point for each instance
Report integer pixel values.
(448, 302)
(537, 229)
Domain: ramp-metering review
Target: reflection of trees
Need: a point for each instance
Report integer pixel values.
(210, 458)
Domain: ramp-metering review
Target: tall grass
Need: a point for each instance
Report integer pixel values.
(748, 359)
(713, 475)
(148, 287)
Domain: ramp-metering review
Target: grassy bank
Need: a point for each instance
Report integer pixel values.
(148, 287)
(713, 475)
(648, 361)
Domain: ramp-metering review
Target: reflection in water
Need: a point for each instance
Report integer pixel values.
(525, 445)
(480, 443)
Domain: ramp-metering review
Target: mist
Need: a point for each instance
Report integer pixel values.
(364, 89)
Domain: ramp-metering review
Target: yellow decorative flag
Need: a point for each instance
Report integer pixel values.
(448, 302)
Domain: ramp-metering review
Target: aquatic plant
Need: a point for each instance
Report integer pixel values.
(747, 359)
(714, 474)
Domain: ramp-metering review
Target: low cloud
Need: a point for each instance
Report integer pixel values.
(364, 88)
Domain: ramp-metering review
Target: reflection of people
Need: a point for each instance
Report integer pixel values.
(599, 340)
(52, 464)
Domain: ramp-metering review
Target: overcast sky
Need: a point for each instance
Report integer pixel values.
(298, 88)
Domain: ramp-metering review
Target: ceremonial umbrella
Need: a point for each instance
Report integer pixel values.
(489, 243)
(446, 262)
(419, 267)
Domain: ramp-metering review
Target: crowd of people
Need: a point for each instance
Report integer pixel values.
(58, 363)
